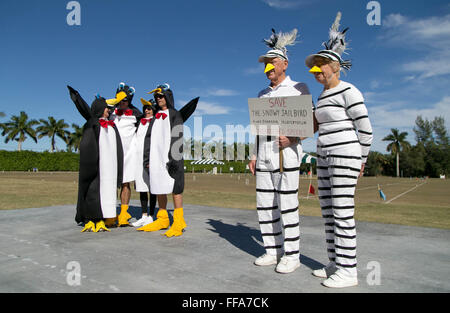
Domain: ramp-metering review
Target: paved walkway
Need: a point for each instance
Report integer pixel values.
(42, 249)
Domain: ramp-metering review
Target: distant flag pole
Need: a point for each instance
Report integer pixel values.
(382, 196)
(310, 190)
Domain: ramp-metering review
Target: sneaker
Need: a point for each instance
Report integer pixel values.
(325, 272)
(340, 280)
(287, 265)
(266, 259)
(144, 220)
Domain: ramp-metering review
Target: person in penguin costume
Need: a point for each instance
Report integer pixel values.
(163, 156)
(141, 177)
(101, 159)
(125, 116)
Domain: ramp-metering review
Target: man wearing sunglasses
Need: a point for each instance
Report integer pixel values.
(163, 156)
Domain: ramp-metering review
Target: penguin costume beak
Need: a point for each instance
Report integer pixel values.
(145, 102)
(269, 67)
(119, 97)
(315, 69)
(157, 90)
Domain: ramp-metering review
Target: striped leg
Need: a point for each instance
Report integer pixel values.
(345, 168)
(268, 212)
(324, 189)
(288, 204)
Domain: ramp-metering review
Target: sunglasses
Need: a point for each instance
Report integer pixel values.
(159, 96)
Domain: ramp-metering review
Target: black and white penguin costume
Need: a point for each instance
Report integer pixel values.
(166, 169)
(163, 156)
(142, 125)
(101, 162)
(141, 185)
(126, 122)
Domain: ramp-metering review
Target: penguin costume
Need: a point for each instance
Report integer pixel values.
(164, 147)
(101, 159)
(141, 175)
(126, 121)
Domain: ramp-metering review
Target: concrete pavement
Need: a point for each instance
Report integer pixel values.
(42, 250)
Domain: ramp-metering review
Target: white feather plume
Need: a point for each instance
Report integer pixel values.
(281, 40)
(336, 40)
(286, 39)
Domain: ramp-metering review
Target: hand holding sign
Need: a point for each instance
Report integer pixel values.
(282, 117)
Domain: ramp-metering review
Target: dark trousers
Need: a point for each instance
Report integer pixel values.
(145, 202)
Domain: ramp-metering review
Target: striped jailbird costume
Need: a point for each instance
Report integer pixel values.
(277, 193)
(345, 136)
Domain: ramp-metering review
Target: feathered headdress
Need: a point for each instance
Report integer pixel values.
(277, 43)
(334, 47)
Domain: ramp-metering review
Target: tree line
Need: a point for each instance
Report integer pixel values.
(430, 156)
(19, 128)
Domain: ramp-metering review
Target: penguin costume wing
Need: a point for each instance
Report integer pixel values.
(81, 105)
(188, 109)
(88, 203)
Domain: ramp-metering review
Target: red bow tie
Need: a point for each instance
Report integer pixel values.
(127, 112)
(145, 121)
(105, 123)
(158, 115)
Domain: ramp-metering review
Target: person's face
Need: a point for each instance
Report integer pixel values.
(123, 104)
(148, 111)
(328, 72)
(161, 101)
(105, 113)
(279, 70)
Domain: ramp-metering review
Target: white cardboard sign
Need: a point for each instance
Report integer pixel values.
(281, 116)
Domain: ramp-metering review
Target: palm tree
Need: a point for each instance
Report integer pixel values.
(74, 138)
(18, 128)
(53, 128)
(398, 143)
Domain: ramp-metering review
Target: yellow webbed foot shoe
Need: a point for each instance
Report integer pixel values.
(90, 226)
(161, 222)
(100, 226)
(178, 224)
(111, 222)
(124, 216)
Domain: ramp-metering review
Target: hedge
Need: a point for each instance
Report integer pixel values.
(68, 162)
(42, 161)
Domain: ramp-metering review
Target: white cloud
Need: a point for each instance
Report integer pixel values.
(403, 29)
(394, 20)
(282, 4)
(211, 108)
(254, 70)
(213, 92)
(428, 67)
(429, 37)
(386, 116)
(217, 92)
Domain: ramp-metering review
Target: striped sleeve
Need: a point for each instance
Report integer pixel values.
(357, 111)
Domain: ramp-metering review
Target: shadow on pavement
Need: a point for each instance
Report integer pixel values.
(249, 240)
(242, 237)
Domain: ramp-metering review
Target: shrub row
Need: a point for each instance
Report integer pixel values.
(43, 161)
(68, 161)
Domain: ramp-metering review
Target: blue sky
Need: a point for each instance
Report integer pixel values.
(209, 48)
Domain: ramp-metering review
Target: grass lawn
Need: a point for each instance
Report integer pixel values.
(426, 204)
